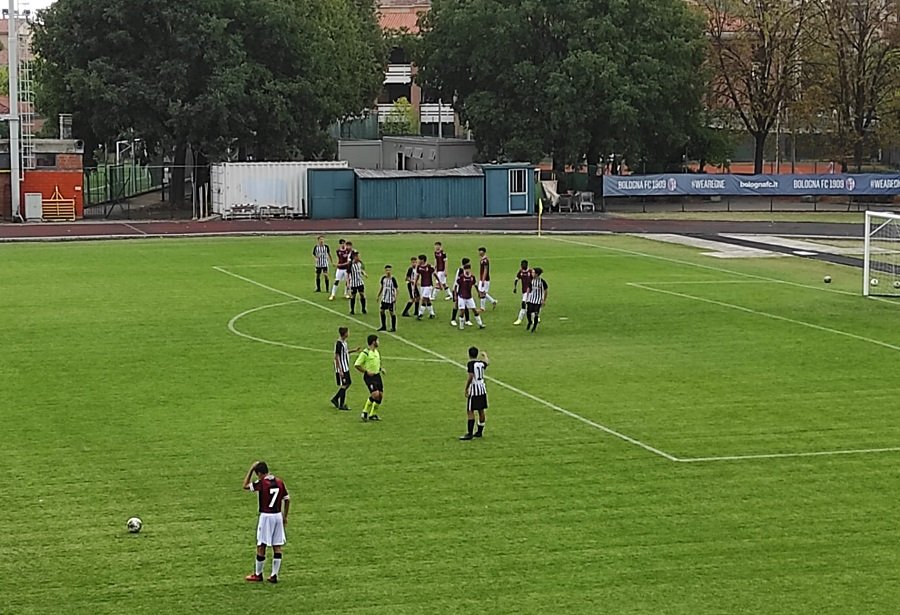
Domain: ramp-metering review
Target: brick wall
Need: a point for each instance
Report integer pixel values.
(70, 184)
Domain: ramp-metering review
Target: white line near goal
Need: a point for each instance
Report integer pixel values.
(446, 359)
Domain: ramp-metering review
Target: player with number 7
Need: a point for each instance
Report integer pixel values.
(273, 494)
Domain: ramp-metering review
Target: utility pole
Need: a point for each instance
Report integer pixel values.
(15, 160)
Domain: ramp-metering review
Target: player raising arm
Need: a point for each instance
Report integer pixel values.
(273, 494)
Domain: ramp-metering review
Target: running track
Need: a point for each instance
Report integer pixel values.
(551, 224)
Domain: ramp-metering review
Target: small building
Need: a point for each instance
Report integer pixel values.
(53, 190)
(407, 153)
(510, 189)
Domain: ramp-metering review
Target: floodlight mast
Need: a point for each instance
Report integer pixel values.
(15, 160)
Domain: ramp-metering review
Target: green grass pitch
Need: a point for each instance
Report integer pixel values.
(125, 393)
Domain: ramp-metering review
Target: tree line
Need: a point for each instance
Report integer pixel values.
(650, 81)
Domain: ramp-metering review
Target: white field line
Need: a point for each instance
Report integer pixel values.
(134, 228)
(678, 282)
(766, 315)
(233, 328)
(859, 451)
(437, 355)
(312, 266)
(719, 269)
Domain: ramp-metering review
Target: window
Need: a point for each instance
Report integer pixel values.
(45, 160)
(518, 181)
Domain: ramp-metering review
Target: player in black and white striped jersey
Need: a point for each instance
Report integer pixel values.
(342, 368)
(357, 282)
(536, 299)
(387, 295)
(322, 257)
(411, 287)
(476, 393)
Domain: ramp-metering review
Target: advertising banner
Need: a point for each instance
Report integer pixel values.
(869, 184)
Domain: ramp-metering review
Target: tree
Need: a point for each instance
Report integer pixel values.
(402, 119)
(576, 79)
(756, 48)
(857, 59)
(263, 78)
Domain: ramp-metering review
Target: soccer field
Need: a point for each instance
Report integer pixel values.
(681, 435)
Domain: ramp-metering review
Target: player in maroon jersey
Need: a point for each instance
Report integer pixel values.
(273, 495)
(343, 265)
(484, 279)
(440, 266)
(524, 275)
(425, 275)
(465, 283)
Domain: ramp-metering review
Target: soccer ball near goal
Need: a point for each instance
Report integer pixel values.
(881, 263)
(873, 282)
(134, 525)
(896, 283)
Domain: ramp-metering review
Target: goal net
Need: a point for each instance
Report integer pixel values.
(881, 268)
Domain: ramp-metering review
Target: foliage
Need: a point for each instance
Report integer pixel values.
(577, 79)
(756, 50)
(402, 119)
(261, 78)
(856, 58)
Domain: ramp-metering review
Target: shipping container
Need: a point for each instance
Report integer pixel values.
(332, 193)
(420, 194)
(254, 189)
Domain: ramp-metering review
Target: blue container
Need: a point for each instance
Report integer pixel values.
(509, 189)
(332, 193)
(440, 193)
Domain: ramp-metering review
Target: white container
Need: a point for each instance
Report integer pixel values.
(242, 189)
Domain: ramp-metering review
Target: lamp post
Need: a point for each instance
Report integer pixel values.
(15, 162)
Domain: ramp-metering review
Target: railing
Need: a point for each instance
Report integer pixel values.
(398, 73)
(434, 113)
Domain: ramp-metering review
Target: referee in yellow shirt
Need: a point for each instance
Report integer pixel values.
(369, 364)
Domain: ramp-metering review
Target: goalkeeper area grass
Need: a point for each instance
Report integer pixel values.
(681, 435)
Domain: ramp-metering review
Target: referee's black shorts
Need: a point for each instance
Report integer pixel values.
(373, 383)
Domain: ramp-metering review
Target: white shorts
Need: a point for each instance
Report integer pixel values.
(442, 278)
(427, 292)
(465, 303)
(340, 275)
(484, 287)
(270, 530)
(524, 297)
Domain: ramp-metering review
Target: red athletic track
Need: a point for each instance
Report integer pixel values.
(555, 223)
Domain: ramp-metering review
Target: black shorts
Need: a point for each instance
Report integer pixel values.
(343, 381)
(373, 383)
(534, 308)
(358, 289)
(321, 270)
(476, 403)
(387, 307)
(413, 291)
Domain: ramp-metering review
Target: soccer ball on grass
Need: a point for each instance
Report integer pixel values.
(874, 281)
(134, 525)
(896, 283)
(827, 279)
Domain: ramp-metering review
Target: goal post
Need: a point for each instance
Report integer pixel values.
(881, 261)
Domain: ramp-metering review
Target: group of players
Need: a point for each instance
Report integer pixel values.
(424, 283)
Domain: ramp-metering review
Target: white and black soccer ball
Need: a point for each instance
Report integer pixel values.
(896, 283)
(134, 525)
(873, 282)
(827, 279)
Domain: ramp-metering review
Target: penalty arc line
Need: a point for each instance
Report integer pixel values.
(446, 359)
(239, 333)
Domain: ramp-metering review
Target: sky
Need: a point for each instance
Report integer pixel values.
(34, 4)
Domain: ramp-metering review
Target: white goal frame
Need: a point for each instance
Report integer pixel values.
(888, 217)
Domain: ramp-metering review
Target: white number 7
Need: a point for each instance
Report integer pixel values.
(274, 491)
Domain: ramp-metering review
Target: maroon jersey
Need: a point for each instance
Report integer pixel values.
(485, 269)
(272, 492)
(440, 261)
(464, 284)
(426, 273)
(525, 276)
(343, 256)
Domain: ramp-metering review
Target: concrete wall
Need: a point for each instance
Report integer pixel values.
(361, 154)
